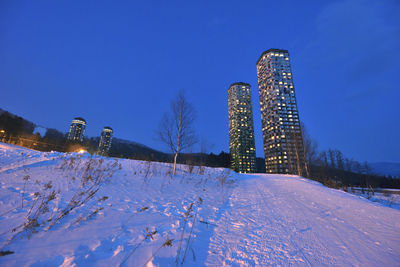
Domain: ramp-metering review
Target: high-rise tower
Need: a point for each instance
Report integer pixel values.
(105, 140)
(241, 128)
(77, 129)
(282, 135)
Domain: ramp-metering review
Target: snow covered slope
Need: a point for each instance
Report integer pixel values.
(77, 210)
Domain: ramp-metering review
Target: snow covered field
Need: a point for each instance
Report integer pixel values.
(77, 210)
(387, 197)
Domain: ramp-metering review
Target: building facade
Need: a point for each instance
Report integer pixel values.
(77, 129)
(282, 134)
(105, 140)
(241, 128)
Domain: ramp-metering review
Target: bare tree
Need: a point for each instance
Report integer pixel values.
(324, 158)
(349, 163)
(339, 159)
(366, 168)
(176, 128)
(357, 167)
(310, 148)
(331, 154)
(205, 146)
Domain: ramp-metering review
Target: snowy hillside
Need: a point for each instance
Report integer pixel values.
(77, 210)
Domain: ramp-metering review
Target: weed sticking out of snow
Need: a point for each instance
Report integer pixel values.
(46, 210)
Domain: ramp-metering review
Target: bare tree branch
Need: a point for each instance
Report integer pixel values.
(176, 127)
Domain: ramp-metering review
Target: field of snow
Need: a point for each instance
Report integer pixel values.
(387, 197)
(77, 210)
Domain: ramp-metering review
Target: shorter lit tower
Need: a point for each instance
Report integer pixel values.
(77, 129)
(241, 128)
(105, 140)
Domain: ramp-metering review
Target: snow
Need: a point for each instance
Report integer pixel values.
(387, 197)
(248, 220)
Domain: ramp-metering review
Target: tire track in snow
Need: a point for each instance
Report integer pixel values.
(263, 197)
(252, 233)
(338, 221)
(292, 222)
(340, 226)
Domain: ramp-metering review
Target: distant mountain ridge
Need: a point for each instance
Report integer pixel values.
(131, 149)
(386, 168)
(133, 143)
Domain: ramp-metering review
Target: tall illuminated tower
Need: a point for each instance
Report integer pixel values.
(241, 128)
(77, 129)
(105, 140)
(282, 134)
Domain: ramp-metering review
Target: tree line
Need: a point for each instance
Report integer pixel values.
(332, 168)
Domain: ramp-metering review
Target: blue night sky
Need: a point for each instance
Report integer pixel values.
(120, 63)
